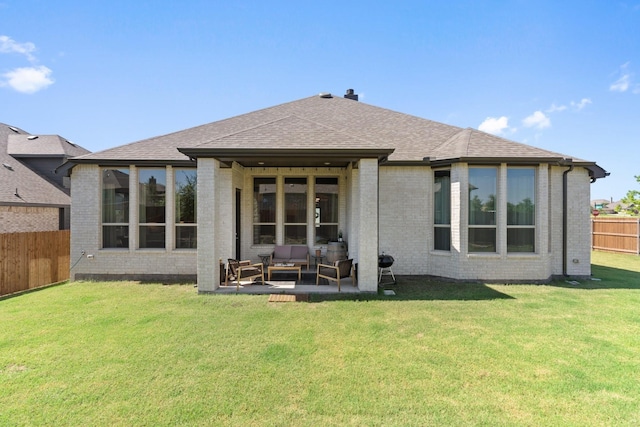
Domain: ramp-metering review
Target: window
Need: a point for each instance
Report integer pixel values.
(186, 208)
(482, 209)
(295, 208)
(264, 211)
(115, 208)
(326, 215)
(442, 211)
(521, 209)
(152, 185)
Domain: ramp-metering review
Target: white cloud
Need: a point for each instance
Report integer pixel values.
(8, 45)
(580, 105)
(622, 84)
(555, 108)
(538, 120)
(494, 125)
(27, 79)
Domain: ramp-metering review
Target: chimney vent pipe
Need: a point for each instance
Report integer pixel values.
(351, 95)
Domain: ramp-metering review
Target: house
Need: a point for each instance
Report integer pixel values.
(444, 201)
(34, 195)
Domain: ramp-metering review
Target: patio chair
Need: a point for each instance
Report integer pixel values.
(243, 270)
(340, 270)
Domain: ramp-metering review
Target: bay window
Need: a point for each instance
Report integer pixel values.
(185, 190)
(442, 211)
(482, 209)
(521, 209)
(151, 207)
(115, 208)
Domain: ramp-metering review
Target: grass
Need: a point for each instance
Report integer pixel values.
(436, 354)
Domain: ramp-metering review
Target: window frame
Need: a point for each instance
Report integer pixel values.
(301, 211)
(533, 215)
(474, 227)
(446, 206)
(257, 238)
(147, 226)
(123, 225)
(179, 223)
(318, 216)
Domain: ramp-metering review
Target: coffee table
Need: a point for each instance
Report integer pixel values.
(284, 267)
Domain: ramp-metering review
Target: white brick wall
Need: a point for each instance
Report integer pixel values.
(405, 215)
(405, 224)
(86, 232)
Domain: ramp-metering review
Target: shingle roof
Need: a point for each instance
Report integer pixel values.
(15, 177)
(471, 143)
(333, 124)
(24, 145)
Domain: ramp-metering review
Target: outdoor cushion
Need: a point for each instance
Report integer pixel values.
(282, 252)
(299, 252)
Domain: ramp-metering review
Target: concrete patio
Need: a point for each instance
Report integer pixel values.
(287, 283)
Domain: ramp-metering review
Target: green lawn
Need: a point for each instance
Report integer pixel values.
(109, 354)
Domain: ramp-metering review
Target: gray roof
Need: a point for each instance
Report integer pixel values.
(25, 145)
(330, 124)
(21, 186)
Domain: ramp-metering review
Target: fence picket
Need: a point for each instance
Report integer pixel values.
(32, 260)
(616, 234)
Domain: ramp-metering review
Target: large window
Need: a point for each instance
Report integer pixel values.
(295, 208)
(442, 211)
(186, 208)
(482, 209)
(521, 209)
(115, 208)
(152, 185)
(264, 211)
(326, 215)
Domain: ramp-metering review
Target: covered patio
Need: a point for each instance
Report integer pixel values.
(288, 283)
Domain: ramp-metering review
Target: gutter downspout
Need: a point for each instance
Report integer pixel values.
(569, 163)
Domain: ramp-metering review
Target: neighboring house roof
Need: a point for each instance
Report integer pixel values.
(25, 145)
(326, 124)
(20, 185)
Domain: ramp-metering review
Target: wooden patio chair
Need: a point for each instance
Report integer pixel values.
(243, 270)
(340, 270)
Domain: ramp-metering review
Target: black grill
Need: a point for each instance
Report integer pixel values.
(385, 261)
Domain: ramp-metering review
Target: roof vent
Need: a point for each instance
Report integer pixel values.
(13, 129)
(325, 95)
(351, 95)
(7, 166)
(32, 137)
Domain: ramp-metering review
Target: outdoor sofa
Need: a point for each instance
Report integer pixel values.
(290, 254)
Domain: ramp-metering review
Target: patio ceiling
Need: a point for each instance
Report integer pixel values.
(289, 158)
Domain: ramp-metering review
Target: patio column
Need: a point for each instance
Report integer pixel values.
(367, 225)
(214, 230)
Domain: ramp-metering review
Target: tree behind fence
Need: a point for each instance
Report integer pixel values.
(616, 234)
(31, 260)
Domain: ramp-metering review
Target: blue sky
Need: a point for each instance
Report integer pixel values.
(563, 76)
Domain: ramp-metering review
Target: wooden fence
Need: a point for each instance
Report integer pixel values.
(31, 260)
(616, 234)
